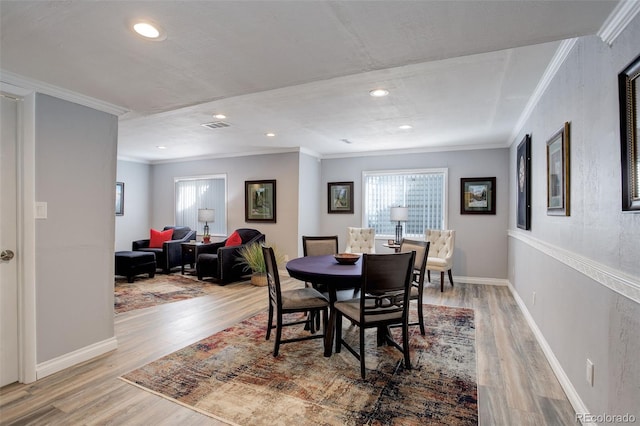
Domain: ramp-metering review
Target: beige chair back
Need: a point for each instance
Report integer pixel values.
(441, 242)
(360, 240)
(319, 245)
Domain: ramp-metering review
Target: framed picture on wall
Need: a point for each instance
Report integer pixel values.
(260, 201)
(628, 89)
(523, 177)
(119, 198)
(558, 173)
(340, 197)
(478, 195)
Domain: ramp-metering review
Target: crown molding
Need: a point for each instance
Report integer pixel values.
(617, 21)
(552, 69)
(58, 92)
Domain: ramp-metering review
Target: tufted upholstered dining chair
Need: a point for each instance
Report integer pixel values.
(281, 302)
(360, 240)
(421, 248)
(440, 253)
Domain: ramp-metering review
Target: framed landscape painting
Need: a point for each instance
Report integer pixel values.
(558, 173)
(340, 197)
(478, 195)
(523, 177)
(119, 198)
(260, 201)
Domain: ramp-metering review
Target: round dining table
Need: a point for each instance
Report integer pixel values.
(334, 276)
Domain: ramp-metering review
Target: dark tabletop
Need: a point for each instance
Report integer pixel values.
(325, 270)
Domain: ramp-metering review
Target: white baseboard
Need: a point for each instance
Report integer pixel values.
(76, 357)
(567, 386)
(479, 280)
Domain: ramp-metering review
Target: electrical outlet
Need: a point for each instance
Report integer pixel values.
(590, 372)
(533, 298)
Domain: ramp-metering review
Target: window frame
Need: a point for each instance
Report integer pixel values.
(199, 228)
(434, 170)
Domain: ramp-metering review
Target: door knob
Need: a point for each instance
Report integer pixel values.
(6, 255)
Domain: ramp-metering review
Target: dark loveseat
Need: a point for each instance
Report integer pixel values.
(170, 254)
(223, 262)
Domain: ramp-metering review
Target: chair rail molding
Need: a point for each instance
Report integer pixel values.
(621, 283)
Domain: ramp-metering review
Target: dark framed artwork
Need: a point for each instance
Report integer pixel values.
(340, 197)
(260, 201)
(119, 198)
(478, 195)
(523, 177)
(628, 88)
(558, 188)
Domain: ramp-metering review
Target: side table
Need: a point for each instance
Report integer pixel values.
(395, 247)
(191, 250)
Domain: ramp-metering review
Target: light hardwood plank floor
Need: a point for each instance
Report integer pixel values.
(516, 385)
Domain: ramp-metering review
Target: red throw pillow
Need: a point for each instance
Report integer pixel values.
(233, 240)
(159, 237)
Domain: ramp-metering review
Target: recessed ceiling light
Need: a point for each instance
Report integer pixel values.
(161, 147)
(149, 30)
(378, 93)
(270, 134)
(405, 127)
(219, 116)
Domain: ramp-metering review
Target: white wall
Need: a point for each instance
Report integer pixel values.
(75, 176)
(136, 221)
(584, 268)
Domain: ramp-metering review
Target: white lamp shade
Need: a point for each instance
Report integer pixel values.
(206, 215)
(400, 214)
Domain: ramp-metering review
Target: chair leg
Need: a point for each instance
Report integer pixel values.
(420, 315)
(441, 281)
(276, 348)
(338, 331)
(450, 278)
(362, 372)
(428, 275)
(269, 321)
(405, 345)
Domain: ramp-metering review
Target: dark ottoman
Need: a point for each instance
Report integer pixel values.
(132, 263)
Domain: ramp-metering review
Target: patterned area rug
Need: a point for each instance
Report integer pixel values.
(233, 376)
(147, 292)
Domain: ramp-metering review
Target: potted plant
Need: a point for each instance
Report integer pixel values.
(251, 256)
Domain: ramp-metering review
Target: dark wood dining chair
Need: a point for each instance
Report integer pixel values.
(301, 300)
(319, 245)
(384, 301)
(417, 282)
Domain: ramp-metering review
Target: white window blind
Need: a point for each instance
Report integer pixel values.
(422, 191)
(208, 192)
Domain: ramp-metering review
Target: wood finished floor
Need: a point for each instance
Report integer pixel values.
(516, 385)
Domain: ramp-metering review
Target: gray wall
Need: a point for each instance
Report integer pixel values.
(136, 221)
(481, 241)
(75, 175)
(281, 167)
(571, 262)
(310, 205)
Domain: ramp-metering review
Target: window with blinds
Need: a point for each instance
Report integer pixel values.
(422, 191)
(202, 192)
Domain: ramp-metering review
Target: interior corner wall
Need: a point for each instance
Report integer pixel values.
(583, 268)
(284, 168)
(481, 242)
(310, 205)
(135, 223)
(75, 159)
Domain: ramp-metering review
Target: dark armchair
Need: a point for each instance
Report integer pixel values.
(223, 262)
(170, 254)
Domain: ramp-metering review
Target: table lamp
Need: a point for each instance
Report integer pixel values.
(206, 216)
(399, 214)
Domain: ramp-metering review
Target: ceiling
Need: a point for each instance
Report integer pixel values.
(459, 72)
